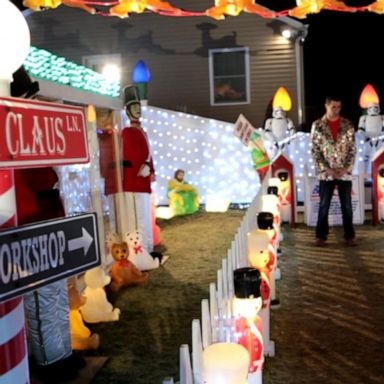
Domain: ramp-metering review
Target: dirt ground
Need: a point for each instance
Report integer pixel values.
(328, 329)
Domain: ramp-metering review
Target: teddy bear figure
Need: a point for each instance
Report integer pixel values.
(81, 337)
(138, 255)
(123, 272)
(97, 308)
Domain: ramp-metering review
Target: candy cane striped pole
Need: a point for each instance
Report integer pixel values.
(13, 346)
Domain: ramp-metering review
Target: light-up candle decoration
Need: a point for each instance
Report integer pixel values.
(248, 324)
(368, 96)
(225, 363)
(141, 77)
(14, 47)
(282, 99)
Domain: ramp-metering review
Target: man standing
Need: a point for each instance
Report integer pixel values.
(334, 149)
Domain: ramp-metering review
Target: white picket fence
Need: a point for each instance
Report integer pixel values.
(216, 323)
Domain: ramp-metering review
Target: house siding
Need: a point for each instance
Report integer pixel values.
(176, 52)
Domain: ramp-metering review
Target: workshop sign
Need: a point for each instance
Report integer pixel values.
(35, 133)
(37, 254)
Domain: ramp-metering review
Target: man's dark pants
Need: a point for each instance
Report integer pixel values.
(326, 193)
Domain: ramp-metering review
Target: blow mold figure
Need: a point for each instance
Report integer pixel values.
(97, 308)
(81, 336)
(138, 170)
(370, 127)
(263, 259)
(278, 128)
(138, 255)
(183, 197)
(248, 324)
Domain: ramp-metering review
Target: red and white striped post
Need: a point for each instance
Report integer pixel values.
(13, 345)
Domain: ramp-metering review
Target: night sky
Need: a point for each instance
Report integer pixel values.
(342, 53)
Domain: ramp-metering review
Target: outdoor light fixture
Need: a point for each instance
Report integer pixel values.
(225, 363)
(287, 33)
(111, 72)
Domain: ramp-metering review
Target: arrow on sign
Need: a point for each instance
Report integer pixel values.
(84, 242)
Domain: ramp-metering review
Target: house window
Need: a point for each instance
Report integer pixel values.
(229, 76)
(108, 65)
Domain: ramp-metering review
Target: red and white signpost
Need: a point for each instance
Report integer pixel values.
(32, 134)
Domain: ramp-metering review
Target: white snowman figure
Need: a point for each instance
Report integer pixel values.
(97, 308)
(370, 127)
(278, 128)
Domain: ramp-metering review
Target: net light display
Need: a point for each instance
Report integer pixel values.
(47, 66)
(214, 160)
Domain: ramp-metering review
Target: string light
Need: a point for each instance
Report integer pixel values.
(221, 8)
(45, 65)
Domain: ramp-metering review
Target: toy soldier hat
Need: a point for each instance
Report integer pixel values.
(283, 175)
(247, 283)
(265, 220)
(272, 190)
(131, 95)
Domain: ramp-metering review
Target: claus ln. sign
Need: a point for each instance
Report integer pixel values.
(34, 134)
